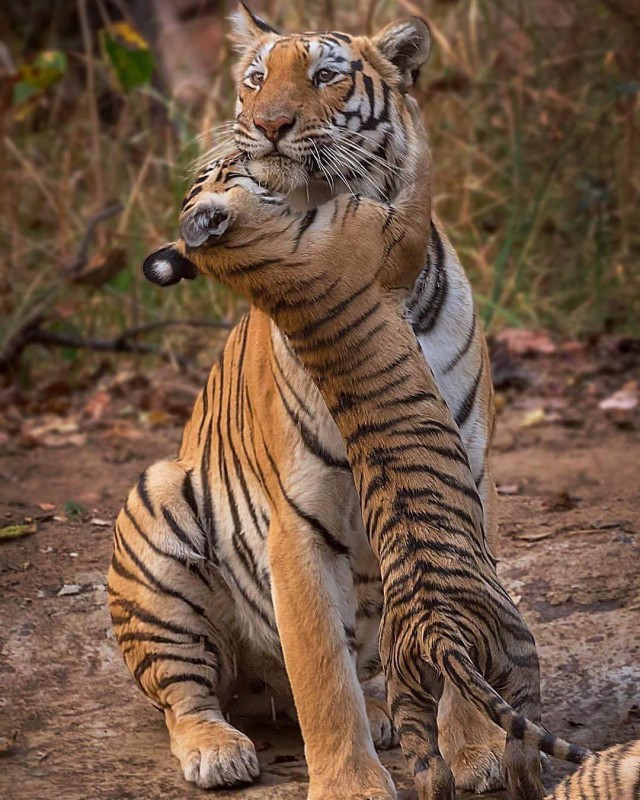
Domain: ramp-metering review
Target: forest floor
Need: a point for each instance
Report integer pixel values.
(73, 725)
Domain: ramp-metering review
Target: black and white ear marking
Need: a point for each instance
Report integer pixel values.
(168, 266)
(407, 44)
(247, 27)
(206, 221)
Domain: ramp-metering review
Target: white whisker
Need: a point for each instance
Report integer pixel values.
(353, 164)
(333, 161)
(348, 141)
(326, 174)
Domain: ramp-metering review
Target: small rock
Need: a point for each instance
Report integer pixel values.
(7, 742)
(558, 598)
(508, 488)
(560, 501)
(68, 589)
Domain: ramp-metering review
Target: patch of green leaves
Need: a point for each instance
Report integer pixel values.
(128, 55)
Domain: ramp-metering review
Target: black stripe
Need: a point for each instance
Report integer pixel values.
(307, 222)
(462, 414)
(189, 565)
(313, 522)
(439, 294)
(462, 352)
(178, 531)
(205, 404)
(157, 585)
(144, 494)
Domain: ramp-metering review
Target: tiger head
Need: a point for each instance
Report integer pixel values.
(327, 105)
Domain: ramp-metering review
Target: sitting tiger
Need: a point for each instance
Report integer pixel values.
(613, 774)
(193, 578)
(446, 617)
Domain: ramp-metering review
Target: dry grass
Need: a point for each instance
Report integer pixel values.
(533, 113)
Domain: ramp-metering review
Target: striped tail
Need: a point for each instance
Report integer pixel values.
(456, 665)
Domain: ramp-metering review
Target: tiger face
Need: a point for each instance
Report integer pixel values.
(327, 105)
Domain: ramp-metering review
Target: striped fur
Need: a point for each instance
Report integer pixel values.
(192, 581)
(446, 617)
(613, 774)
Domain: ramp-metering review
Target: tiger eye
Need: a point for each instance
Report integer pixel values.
(324, 75)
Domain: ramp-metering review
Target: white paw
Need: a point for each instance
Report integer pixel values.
(209, 218)
(215, 754)
(382, 730)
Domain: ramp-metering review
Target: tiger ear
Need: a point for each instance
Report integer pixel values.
(169, 265)
(247, 28)
(406, 44)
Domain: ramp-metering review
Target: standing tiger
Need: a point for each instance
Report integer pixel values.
(446, 618)
(192, 580)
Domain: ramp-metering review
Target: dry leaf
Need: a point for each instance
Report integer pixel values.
(101, 523)
(52, 432)
(523, 342)
(534, 417)
(155, 419)
(508, 488)
(46, 506)
(95, 406)
(16, 531)
(625, 399)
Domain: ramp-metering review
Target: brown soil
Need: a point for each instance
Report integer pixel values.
(570, 550)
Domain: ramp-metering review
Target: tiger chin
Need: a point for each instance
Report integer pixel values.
(191, 585)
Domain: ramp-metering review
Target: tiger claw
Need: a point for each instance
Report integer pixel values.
(207, 221)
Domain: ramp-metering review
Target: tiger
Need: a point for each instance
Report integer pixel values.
(613, 774)
(446, 617)
(191, 580)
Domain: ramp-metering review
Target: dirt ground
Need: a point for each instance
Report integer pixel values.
(72, 723)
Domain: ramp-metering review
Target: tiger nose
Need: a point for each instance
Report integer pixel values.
(274, 129)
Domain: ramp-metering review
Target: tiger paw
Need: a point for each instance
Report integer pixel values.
(478, 768)
(382, 731)
(207, 219)
(213, 754)
(367, 780)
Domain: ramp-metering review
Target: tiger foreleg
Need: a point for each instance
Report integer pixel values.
(521, 761)
(415, 716)
(471, 744)
(171, 617)
(382, 730)
(341, 758)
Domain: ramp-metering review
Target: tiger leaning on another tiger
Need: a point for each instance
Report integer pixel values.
(192, 579)
(446, 617)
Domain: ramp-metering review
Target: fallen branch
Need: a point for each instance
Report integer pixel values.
(131, 333)
(33, 333)
(23, 335)
(57, 339)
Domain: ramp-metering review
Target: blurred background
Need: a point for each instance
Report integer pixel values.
(532, 108)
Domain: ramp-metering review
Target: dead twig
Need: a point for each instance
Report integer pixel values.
(32, 332)
(23, 335)
(131, 333)
(59, 339)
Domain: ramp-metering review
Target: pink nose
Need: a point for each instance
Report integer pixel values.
(274, 129)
